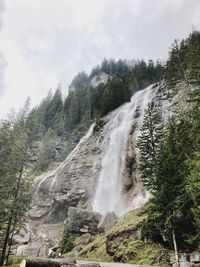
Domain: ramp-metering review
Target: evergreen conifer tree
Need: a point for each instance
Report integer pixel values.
(14, 188)
(148, 143)
(170, 216)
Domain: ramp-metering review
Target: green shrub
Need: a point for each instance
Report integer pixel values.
(66, 244)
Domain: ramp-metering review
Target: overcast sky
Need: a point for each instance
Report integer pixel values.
(46, 42)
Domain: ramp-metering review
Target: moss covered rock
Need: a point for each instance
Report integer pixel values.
(123, 243)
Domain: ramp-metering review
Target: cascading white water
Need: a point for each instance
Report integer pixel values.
(55, 172)
(109, 189)
(72, 154)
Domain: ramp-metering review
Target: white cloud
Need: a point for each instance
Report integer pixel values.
(36, 44)
(2, 73)
(47, 42)
(2, 58)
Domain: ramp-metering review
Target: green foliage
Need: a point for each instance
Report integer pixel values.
(118, 244)
(116, 92)
(79, 81)
(66, 244)
(149, 145)
(194, 179)
(83, 105)
(45, 154)
(194, 116)
(193, 58)
(36, 119)
(184, 61)
(193, 185)
(14, 187)
(111, 67)
(171, 204)
(86, 103)
(169, 169)
(75, 108)
(15, 260)
(54, 113)
(143, 74)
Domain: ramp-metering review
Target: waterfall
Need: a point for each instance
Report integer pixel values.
(71, 155)
(53, 174)
(109, 188)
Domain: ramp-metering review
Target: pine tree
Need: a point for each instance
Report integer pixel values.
(79, 81)
(45, 154)
(193, 185)
(105, 66)
(170, 216)
(66, 244)
(54, 113)
(193, 58)
(14, 188)
(148, 143)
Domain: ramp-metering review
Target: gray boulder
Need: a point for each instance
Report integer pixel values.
(33, 249)
(75, 251)
(83, 221)
(107, 221)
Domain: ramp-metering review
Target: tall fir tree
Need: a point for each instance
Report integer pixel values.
(14, 188)
(149, 145)
(170, 220)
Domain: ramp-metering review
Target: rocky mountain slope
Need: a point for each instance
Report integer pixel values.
(99, 182)
(75, 181)
(99, 174)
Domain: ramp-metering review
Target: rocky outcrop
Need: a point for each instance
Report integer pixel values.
(107, 221)
(40, 238)
(74, 182)
(83, 221)
(102, 78)
(123, 243)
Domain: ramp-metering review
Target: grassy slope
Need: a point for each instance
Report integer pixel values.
(122, 243)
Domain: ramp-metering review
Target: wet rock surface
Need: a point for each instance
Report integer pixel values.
(107, 221)
(83, 221)
(41, 238)
(74, 182)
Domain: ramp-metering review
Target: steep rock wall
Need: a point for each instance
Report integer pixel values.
(71, 184)
(75, 181)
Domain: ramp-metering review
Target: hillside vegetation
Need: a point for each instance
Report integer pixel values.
(123, 243)
(169, 169)
(57, 124)
(170, 154)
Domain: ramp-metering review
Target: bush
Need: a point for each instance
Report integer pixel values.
(66, 244)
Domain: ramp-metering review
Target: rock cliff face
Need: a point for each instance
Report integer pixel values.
(100, 174)
(85, 178)
(72, 184)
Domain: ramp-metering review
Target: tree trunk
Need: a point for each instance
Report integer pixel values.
(7, 234)
(10, 241)
(3, 253)
(47, 263)
(39, 263)
(175, 249)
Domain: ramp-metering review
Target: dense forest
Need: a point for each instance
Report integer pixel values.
(170, 157)
(57, 119)
(34, 138)
(170, 162)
